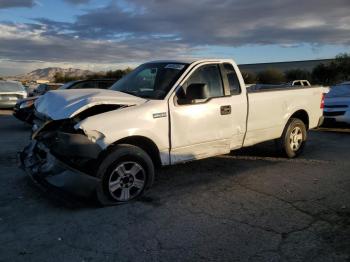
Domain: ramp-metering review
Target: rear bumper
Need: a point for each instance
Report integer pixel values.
(341, 118)
(47, 170)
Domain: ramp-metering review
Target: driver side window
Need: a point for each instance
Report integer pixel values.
(208, 75)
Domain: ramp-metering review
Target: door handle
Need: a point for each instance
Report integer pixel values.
(225, 110)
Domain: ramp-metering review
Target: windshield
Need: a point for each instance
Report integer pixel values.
(151, 80)
(7, 86)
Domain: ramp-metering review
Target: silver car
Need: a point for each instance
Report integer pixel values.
(10, 92)
(337, 104)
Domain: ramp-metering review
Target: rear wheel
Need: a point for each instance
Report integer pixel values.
(293, 139)
(126, 173)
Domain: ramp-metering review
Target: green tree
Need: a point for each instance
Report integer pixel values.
(249, 77)
(62, 78)
(332, 73)
(324, 74)
(116, 74)
(112, 74)
(271, 76)
(342, 64)
(295, 74)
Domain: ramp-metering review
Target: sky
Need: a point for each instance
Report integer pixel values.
(112, 34)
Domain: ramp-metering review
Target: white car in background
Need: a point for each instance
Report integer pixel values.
(337, 104)
(10, 92)
(299, 83)
(291, 84)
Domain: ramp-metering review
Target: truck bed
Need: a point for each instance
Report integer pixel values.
(270, 105)
(266, 88)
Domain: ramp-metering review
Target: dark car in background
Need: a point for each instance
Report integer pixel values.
(24, 108)
(91, 83)
(10, 93)
(43, 88)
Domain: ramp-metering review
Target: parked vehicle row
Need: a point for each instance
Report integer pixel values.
(109, 142)
(24, 109)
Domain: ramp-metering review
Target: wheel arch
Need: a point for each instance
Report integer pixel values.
(146, 144)
(302, 115)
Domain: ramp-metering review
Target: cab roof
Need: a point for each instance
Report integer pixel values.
(193, 61)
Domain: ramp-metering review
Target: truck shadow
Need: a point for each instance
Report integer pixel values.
(183, 178)
(171, 181)
(13, 126)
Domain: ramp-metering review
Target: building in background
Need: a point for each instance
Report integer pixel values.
(284, 66)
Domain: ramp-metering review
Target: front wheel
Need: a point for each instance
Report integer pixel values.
(126, 173)
(293, 139)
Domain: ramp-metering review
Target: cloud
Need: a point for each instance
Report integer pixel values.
(16, 3)
(137, 30)
(235, 22)
(31, 42)
(77, 2)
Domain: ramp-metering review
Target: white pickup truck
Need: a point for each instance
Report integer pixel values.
(162, 113)
(299, 83)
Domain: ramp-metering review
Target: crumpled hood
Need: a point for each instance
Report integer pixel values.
(62, 104)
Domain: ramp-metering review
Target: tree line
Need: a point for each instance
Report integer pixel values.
(111, 74)
(324, 74)
(331, 73)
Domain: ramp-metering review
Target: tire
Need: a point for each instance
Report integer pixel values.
(293, 139)
(126, 173)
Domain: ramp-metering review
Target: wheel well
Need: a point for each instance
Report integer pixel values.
(144, 143)
(303, 116)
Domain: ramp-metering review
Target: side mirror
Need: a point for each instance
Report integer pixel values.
(194, 92)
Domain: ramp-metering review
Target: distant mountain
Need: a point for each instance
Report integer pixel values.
(50, 72)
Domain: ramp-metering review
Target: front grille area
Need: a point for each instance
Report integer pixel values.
(338, 113)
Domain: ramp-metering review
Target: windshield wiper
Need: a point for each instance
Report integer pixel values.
(128, 92)
(135, 94)
(146, 96)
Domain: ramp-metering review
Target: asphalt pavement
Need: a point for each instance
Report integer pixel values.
(250, 205)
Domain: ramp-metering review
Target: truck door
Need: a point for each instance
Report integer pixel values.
(205, 126)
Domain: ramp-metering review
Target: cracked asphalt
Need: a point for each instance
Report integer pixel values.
(250, 205)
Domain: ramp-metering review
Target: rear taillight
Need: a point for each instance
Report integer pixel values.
(322, 101)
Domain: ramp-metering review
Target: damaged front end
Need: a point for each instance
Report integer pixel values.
(46, 169)
(62, 156)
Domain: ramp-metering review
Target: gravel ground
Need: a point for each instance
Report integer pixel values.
(250, 205)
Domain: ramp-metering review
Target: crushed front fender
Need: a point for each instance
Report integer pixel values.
(46, 169)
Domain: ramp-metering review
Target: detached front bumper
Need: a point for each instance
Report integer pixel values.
(46, 169)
